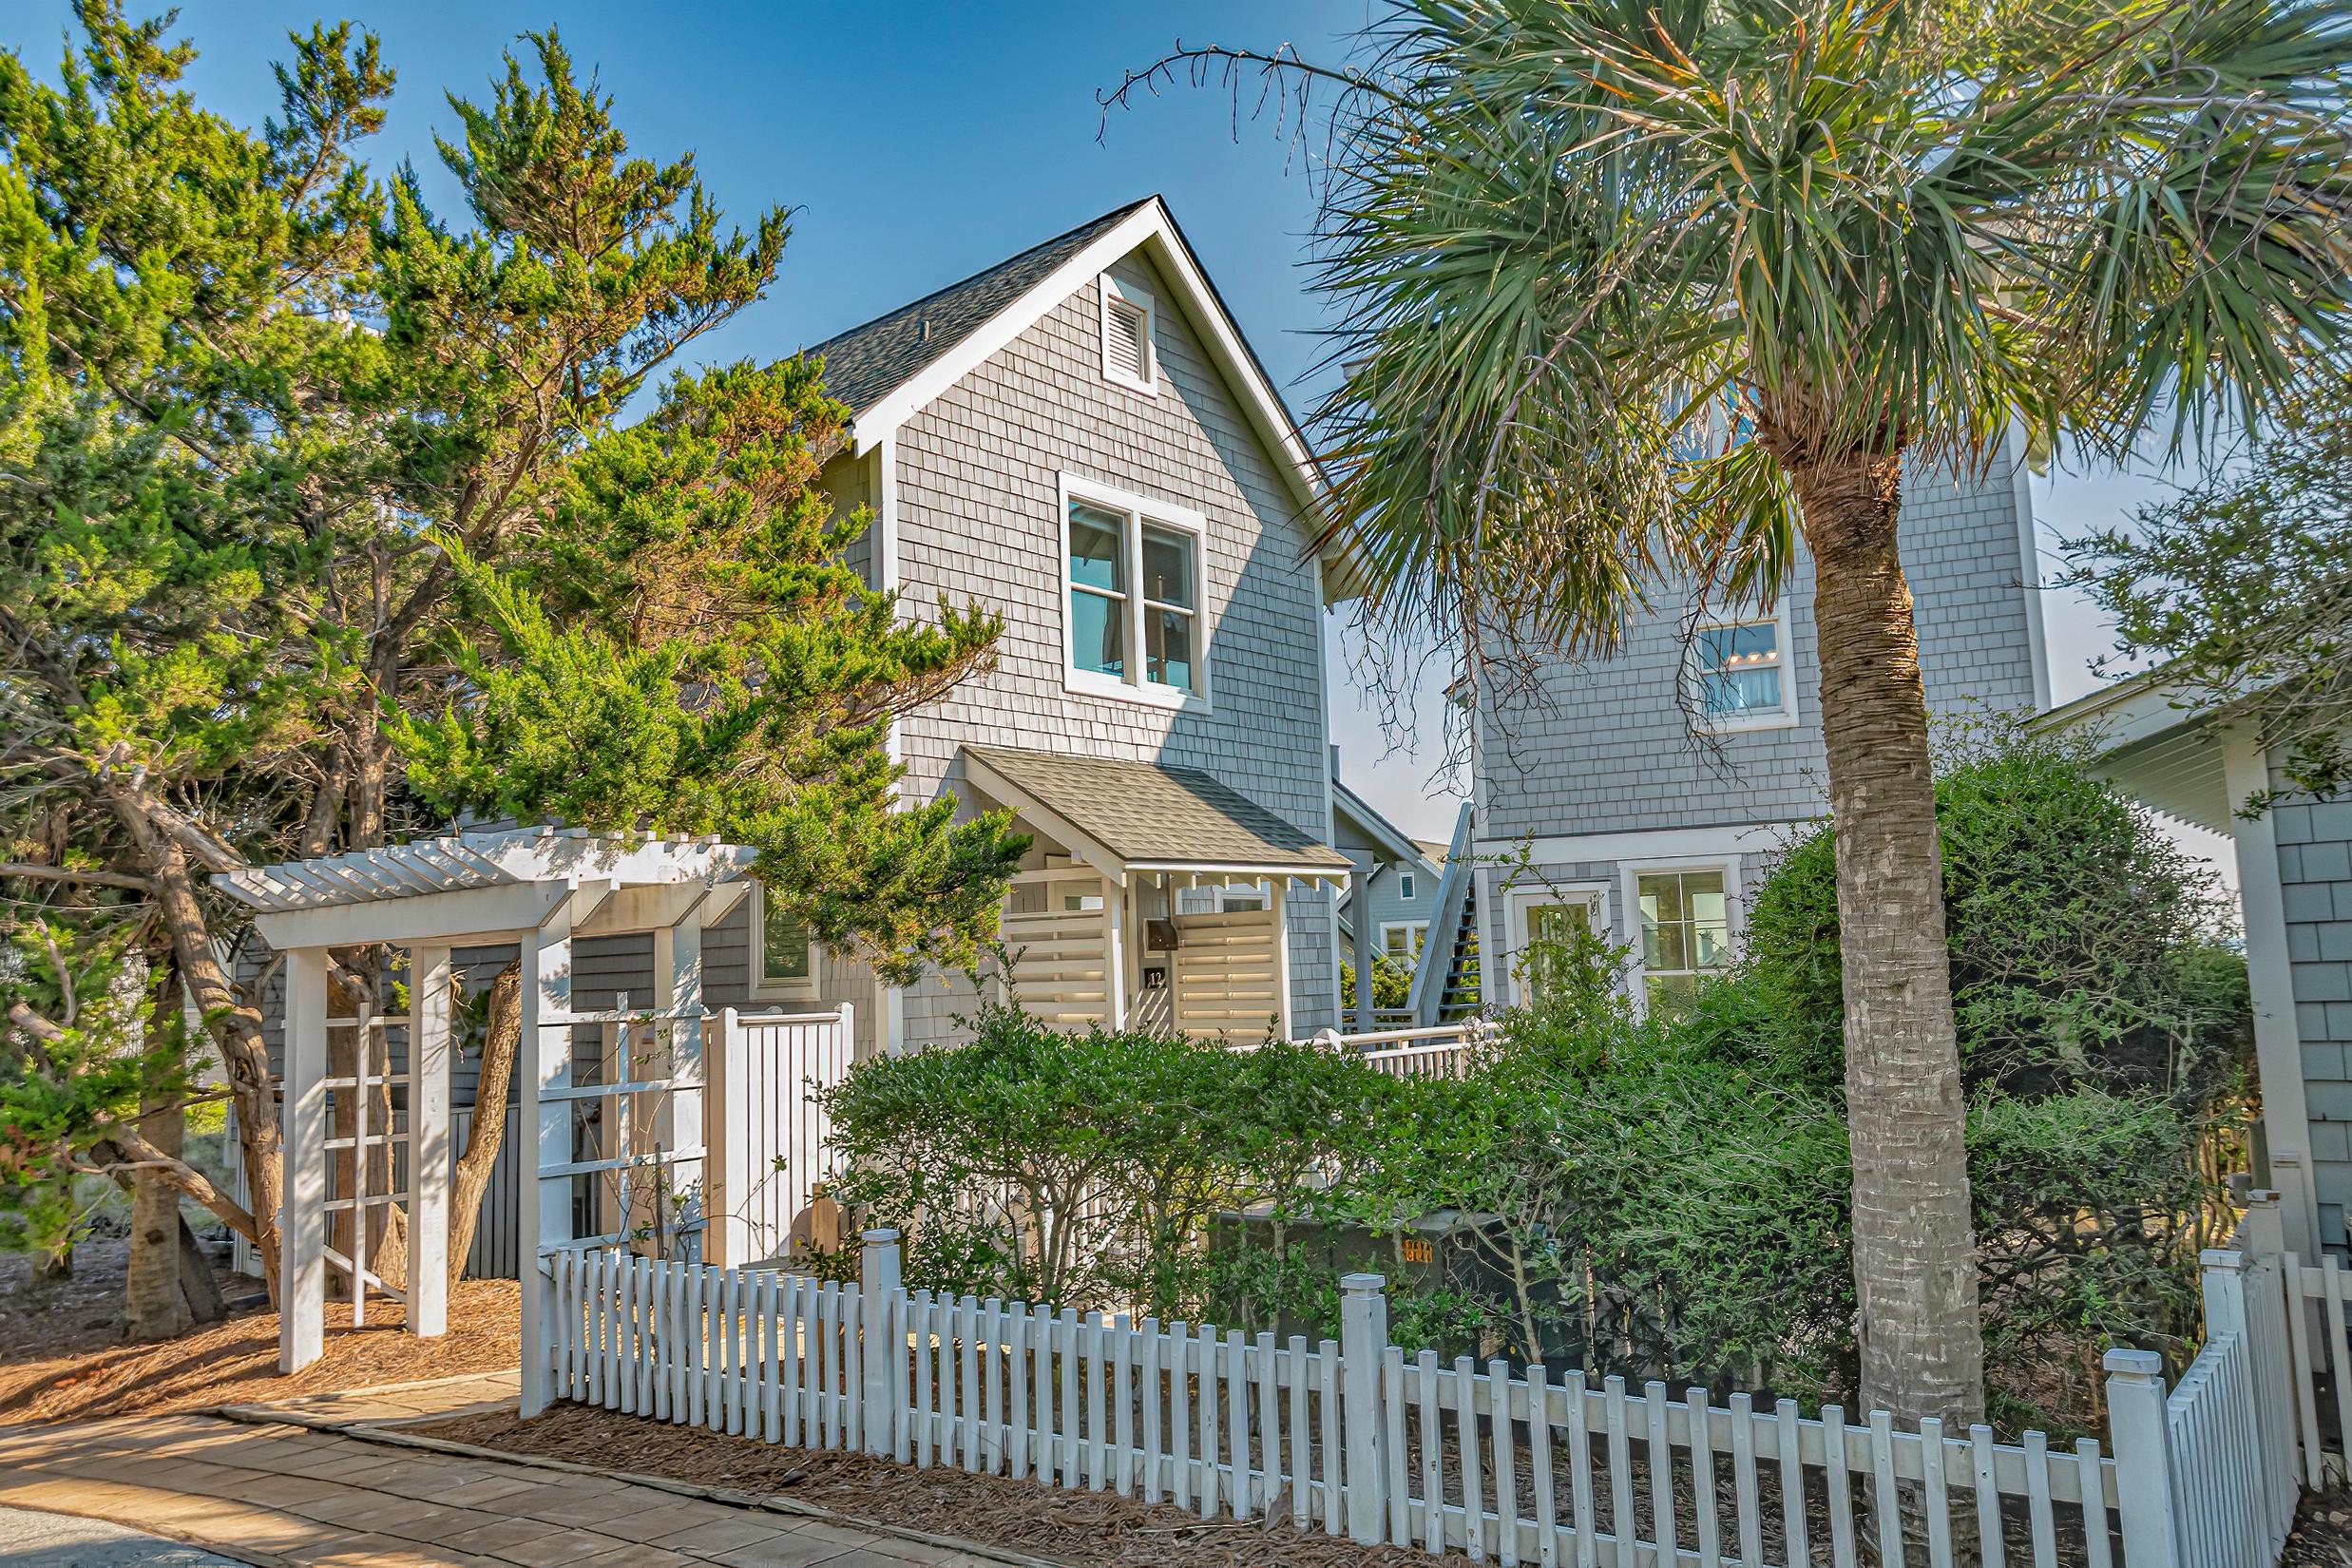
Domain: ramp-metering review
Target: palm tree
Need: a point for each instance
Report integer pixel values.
(1636, 294)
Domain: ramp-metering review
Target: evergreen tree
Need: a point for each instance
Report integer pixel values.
(292, 467)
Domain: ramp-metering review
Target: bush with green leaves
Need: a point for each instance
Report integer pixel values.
(2086, 943)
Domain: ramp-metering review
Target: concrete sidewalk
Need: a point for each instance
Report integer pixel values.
(30, 1539)
(284, 1494)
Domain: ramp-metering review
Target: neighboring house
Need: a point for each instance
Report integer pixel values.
(1396, 879)
(2172, 751)
(1629, 824)
(1081, 438)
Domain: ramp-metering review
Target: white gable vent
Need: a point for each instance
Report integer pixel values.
(1127, 336)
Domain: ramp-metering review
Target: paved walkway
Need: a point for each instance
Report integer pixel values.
(285, 1494)
(28, 1539)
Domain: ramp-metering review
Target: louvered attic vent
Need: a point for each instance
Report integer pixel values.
(1126, 338)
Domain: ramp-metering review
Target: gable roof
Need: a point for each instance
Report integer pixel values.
(889, 369)
(868, 362)
(1149, 816)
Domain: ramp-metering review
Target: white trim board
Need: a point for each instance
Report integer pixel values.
(1653, 845)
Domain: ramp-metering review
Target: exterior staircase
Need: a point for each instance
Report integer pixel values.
(1446, 989)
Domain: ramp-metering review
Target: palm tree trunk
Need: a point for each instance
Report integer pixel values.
(1923, 1352)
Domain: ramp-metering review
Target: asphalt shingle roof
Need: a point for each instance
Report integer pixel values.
(865, 364)
(1146, 811)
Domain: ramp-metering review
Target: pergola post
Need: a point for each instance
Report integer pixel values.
(685, 1120)
(302, 1224)
(429, 1140)
(544, 1055)
(1278, 904)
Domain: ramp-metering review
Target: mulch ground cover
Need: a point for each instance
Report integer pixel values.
(2322, 1537)
(1086, 1529)
(63, 1356)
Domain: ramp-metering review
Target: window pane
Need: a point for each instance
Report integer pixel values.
(1168, 567)
(1168, 648)
(1550, 927)
(1739, 668)
(1097, 551)
(783, 948)
(1098, 633)
(1405, 886)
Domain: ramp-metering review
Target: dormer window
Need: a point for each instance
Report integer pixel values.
(1130, 357)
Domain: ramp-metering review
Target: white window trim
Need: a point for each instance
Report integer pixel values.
(1781, 718)
(1417, 933)
(1139, 509)
(1405, 886)
(1519, 901)
(1629, 880)
(1142, 300)
(760, 987)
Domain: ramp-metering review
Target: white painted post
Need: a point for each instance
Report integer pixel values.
(2142, 1433)
(1365, 958)
(877, 1288)
(428, 1141)
(302, 1223)
(2266, 1225)
(725, 1187)
(1115, 896)
(1278, 904)
(544, 1215)
(688, 1114)
(1363, 1339)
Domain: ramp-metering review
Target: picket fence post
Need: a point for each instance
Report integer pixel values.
(2142, 1433)
(878, 1286)
(1362, 1340)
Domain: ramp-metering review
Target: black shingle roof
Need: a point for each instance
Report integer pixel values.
(865, 364)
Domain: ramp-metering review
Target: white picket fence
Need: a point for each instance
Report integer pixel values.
(1350, 1437)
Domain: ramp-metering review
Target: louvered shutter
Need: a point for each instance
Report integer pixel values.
(1125, 347)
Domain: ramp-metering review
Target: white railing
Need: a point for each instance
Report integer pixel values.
(771, 1141)
(1441, 1051)
(1348, 1436)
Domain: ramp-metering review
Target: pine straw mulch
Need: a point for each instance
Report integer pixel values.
(1083, 1528)
(2323, 1535)
(62, 1357)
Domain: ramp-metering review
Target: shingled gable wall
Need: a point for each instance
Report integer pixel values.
(979, 518)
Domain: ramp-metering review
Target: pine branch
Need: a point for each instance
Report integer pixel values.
(67, 873)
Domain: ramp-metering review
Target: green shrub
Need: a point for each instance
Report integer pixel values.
(2086, 945)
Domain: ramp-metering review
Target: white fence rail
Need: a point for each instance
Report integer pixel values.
(1348, 1436)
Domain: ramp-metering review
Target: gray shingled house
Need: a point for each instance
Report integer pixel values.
(1592, 771)
(2170, 747)
(1079, 437)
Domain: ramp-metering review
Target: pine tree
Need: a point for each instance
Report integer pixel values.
(292, 467)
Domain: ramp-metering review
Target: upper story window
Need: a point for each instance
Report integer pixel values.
(1740, 674)
(783, 955)
(1130, 352)
(1686, 929)
(1405, 886)
(1402, 940)
(1131, 568)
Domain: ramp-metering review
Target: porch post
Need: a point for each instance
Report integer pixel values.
(303, 1225)
(429, 1140)
(1115, 952)
(2278, 1045)
(1361, 900)
(545, 1215)
(1278, 904)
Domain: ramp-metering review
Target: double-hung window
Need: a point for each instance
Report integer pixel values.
(1135, 625)
(783, 955)
(1400, 939)
(1740, 674)
(1686, 929)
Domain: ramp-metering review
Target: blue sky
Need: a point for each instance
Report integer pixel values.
(919, 143)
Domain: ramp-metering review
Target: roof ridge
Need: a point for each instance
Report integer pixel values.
(963, 282)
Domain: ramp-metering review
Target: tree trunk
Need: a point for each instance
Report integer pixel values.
(152, 1305)
(236, 1028)
(502, 1030)
(198, 1287)
(1915, 1275)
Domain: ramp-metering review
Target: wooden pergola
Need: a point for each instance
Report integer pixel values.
(538, 888)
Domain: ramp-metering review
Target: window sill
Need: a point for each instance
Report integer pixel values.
(1744, 724)
(1148, 388)
(1086, 683)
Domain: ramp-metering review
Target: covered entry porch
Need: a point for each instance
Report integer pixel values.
(1156, 897)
